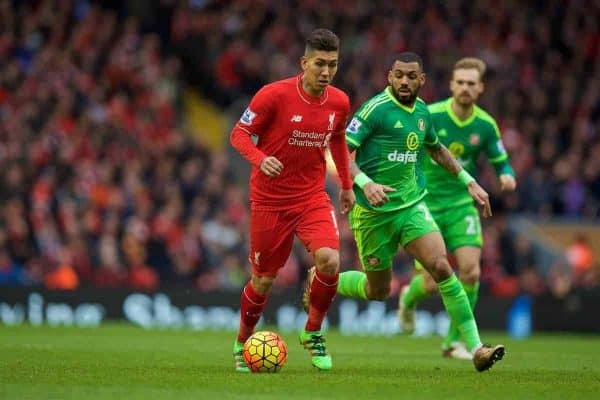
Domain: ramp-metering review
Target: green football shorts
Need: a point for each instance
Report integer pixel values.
(460, 227)
(378, 234)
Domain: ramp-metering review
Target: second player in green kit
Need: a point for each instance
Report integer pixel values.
(467, 131)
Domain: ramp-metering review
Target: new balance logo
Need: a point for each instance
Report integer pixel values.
(398, 125)
(296, 118)
(257, 256)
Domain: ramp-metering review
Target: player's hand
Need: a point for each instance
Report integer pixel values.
(271, 166)
(376, 193)
(347, 200)
(482, 199)
(508, 183)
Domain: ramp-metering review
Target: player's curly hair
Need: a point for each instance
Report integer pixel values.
(471, 63)
(322, 39)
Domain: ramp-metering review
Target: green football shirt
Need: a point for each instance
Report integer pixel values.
(466, 140)
(389, 137)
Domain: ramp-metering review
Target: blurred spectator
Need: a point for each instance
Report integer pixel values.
(559, 280)
(591, 277)
(531, 281)
(62, 277)
(10, 272)
(231, 273)
(142, 277)
(580, 256)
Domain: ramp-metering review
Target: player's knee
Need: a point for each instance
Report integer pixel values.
(262, 284)
(440, 268)
(470, 273)
(327, 261)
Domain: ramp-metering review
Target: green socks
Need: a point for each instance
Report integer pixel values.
(459, 309)
(453, 335)
(353, 284)
(457, 301)
(415, 293)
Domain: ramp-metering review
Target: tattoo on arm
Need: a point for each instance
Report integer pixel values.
(443, 157)
(354, 170)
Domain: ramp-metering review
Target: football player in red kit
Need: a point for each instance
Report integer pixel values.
(295, 120)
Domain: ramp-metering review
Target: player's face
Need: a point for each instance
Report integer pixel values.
(319, 69)
(406, 79)
(466, 86)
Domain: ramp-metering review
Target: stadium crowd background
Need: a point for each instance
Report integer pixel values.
(102, 184)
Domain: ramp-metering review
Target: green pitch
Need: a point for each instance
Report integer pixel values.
(124, 362)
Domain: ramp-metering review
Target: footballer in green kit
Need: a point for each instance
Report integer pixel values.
(390, 134)
(467, 131)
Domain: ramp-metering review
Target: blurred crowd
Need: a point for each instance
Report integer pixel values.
(103, 185)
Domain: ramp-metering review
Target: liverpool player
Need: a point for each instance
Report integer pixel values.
(467, 131)
(294, 121)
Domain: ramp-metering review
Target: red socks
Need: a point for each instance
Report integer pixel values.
(322, 292)
(251, 308)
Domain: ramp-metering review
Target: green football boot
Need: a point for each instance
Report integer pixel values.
(238, 357)
(315, 343)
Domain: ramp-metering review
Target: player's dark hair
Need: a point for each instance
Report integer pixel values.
(408, 57)
(322, 39)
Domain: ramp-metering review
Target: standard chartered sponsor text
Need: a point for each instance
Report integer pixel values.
(307, 139)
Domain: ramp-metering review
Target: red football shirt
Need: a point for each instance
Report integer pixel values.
(296, 128)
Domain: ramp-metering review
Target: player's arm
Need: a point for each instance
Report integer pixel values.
(441, 155)
(255, 120)
(340, 155)
(498, 157)
(356, 132)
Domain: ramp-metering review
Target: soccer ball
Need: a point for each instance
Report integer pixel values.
(265, 352)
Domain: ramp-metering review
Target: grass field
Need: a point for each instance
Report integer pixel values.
(124, 362)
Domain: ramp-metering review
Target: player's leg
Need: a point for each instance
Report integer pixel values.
(317, 228)
(421, 285)
(463, 237)
(429, 249)
(323, 286)
(252, 302)
(271, 240)
(467, 258)
(418, 289)
(376, 249)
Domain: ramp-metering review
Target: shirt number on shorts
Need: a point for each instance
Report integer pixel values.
(425, 210)
(472, 225)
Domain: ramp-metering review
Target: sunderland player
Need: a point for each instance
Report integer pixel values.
(295, 120)
(467, 131)
(389, 133)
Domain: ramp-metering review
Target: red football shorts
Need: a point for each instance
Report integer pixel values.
(272, 234)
